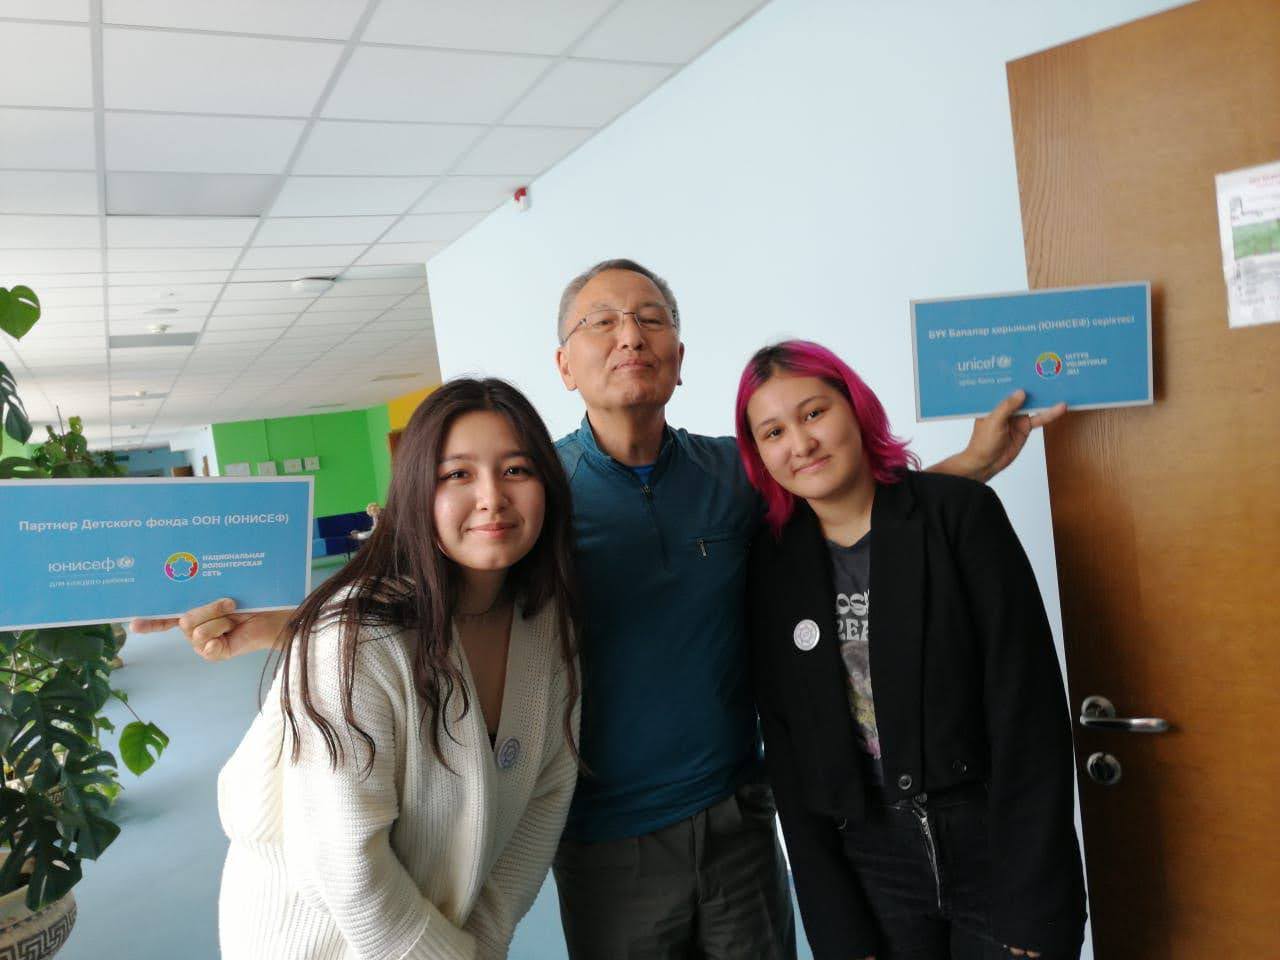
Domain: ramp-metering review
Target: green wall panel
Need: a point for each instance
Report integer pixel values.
(290, 438)
(345, 482)
(379, 423)
(244, 441)
(355, 465)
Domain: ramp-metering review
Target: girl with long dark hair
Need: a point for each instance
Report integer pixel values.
(915, 726)
(403, 790)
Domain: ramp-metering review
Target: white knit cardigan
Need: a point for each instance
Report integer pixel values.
(413, 861)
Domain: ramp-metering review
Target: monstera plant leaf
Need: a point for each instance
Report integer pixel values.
(138, 740)
(19, 311)
(16, 423)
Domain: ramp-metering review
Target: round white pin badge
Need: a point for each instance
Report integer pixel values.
(508, 753)
(806, 635)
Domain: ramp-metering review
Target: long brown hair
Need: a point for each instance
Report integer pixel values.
(400, 577)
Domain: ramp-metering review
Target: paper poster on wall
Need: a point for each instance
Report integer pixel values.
(1249, 225)
(267, 468)
(236, 470)
(293, 465)
(311, 463)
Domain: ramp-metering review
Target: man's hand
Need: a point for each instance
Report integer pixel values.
(997, 439)
(216, 632)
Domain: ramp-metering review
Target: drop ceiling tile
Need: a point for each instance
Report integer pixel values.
(153, 313)
(201, 73)
(526, 151)
(386, 149)
(332, 19)
(287, 231)
(174, 278)
(70, 10)
(280, 257)
(401, 253)
(189, 194)
(282, 274)
(484, 24)
(54, 298)
(51, 67)
(441, 227)
(344, 288)
(176, 258)
(50, 140)
(257, 322)
(667, 31)
(170, 143)
(43, 283)
(179, 231)
(347, 196)
(36, 233)
(30, 192)
(259, 308)
(274, 290)
(328, 304)
(60, 315)
(352, 318)
(53, 261)
(391, 271)
(56, 331)
(164, 296)
(393, 83)
(468, 194)
(135, 326)
(248, 335)
(587, 93)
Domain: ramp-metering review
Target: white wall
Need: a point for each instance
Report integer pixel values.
(809, 175)
(196, 444)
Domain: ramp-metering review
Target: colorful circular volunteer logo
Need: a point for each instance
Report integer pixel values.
(180, 567)
(1048, 365)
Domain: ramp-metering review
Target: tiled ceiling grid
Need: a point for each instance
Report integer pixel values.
(180, 162)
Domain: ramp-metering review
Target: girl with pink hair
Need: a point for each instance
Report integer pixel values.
(924, 779)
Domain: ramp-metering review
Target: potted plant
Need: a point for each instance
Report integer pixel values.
(59, 781)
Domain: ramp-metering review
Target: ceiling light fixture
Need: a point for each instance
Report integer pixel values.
(312, 285)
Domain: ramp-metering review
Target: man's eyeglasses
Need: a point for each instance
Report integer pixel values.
(651, 318)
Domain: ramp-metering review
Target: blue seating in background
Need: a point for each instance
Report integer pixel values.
(331, 535)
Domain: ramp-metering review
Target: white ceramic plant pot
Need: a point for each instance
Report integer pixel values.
(33, 936)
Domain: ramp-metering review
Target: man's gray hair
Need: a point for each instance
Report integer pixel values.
(581, 280)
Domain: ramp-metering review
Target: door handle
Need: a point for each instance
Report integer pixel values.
(1099, 713)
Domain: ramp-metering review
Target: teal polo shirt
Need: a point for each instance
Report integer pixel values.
(668, 722)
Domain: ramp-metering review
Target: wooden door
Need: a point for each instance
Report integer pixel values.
(1167, 518)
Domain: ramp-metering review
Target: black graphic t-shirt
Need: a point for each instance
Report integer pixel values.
(851, 569)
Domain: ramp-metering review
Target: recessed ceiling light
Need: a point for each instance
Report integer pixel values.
(155, 311)
(395, 376)
(312, 285)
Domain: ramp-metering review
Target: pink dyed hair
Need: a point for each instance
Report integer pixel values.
(886, 455)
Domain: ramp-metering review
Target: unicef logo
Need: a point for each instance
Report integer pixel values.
(1004, 361)
(124, 563)
(1048, 365)
(180, 567)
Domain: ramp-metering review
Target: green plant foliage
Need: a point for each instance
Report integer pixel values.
(16, 423)
(59, 782)
(137, 743)
(19, 311)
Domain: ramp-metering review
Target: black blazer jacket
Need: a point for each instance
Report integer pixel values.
(967, 690)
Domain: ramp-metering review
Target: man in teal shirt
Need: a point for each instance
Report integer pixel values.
(670, 850)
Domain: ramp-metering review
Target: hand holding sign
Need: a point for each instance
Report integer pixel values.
(216, 632)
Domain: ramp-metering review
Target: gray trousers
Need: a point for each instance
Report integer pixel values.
(712, 887)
